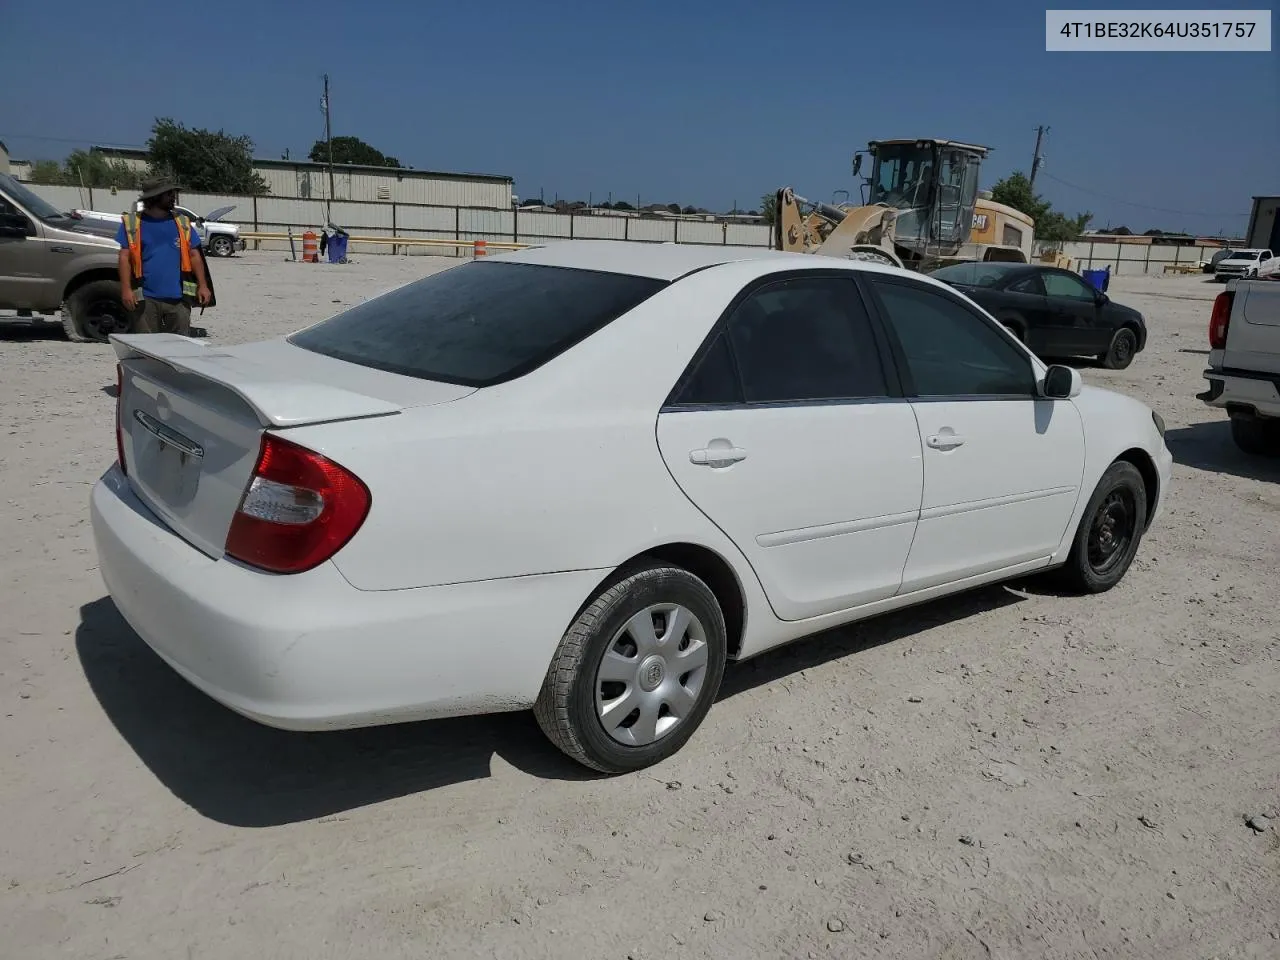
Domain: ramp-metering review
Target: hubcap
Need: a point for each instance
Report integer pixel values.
(651, 674)
(1112, 531)
(103, 318)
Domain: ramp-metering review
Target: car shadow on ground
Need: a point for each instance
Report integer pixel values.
(238, 772)
(1208, 446)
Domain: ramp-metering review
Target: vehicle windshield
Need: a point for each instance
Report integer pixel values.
(35, 205)
(1244, 255)
(975, 274)
(479, 323)
(901, 174)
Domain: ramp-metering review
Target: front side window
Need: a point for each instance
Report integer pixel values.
(950, 351)
(1067, 285)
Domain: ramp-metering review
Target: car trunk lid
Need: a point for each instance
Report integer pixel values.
(192, 418)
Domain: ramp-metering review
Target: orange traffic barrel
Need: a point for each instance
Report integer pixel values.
(479, 249)
(310, 247)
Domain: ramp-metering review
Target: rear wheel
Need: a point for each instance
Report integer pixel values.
(1256, 436)
(1110, 531)
(94, 312)
(636, 673)
(1121, 352)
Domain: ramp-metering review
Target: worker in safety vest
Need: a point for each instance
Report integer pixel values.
(160, 278)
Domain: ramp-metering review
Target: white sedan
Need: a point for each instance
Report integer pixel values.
(582, 477)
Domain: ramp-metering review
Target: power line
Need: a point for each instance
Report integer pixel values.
(1141, 206)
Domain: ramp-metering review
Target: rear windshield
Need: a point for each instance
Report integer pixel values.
(479, 323)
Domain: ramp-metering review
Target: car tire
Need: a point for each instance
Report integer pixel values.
(220, 245)
(609, 656)
(94, 311)
(1110, 531)
(1124, 345)
(1260, 438)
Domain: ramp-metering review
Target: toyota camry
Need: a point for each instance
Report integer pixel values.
(583, 478)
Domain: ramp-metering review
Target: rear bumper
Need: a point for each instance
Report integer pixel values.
(311, 652)
(1242, 392)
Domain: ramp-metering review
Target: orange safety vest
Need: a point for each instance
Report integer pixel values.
(134, 236)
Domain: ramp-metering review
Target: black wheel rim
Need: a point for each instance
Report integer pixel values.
(1124, 347)
(102, 318)
(1114, 525)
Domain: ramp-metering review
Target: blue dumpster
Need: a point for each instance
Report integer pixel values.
(337, 248)
(1097, 279)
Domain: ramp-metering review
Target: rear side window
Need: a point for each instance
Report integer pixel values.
(479, 323)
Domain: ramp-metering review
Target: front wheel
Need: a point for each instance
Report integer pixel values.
(220, 245)
(636, 673)
(94, 312)
(1110, 531)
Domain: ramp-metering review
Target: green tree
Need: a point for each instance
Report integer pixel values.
(769, 207)
(94, 169)
(48, 172)
(351, 150)
(1051, 226)
(205, 160)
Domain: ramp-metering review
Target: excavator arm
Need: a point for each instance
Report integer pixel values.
(857, 233)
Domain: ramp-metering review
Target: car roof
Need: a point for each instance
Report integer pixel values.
(659, 261)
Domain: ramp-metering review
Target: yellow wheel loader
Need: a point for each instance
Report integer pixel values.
(921, 210)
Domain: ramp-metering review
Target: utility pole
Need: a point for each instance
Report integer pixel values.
(328, 136)
(1037, 159)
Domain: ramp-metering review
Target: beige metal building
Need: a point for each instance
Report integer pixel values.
(304, 180)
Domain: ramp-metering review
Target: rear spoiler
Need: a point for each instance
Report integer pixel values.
(278, 401)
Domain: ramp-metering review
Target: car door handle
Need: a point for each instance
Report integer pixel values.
(945, 441)
(717, 456)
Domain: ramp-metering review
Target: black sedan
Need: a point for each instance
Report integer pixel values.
(1052, 311)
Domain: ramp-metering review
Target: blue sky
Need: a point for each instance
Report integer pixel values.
(695, 103)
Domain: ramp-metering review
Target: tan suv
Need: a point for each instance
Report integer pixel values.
(52, 263)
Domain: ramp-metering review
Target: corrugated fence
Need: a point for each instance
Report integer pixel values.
(384, 219)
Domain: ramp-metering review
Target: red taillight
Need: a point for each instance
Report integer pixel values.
(300, 509)
(119, 425)
(1220, 320)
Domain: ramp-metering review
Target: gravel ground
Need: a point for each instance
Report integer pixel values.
(1004, 774)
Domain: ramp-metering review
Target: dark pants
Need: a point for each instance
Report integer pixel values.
(162, 316)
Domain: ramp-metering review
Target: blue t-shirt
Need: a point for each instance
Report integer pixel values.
(161, 260)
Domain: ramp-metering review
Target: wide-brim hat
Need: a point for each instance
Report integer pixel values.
(156, 187)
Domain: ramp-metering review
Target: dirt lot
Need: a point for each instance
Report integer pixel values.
(1005, 774)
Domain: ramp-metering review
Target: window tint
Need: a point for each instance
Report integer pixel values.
(1029, 284)
(1066, 285)
(951, 352)
(479, 323)
(714, 380)
(806, 339)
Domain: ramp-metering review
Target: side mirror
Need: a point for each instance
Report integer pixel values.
(857, 163)
(15, 225)
(1062, 383)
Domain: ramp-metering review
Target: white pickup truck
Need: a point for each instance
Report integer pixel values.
(1244, 363)
(220, 239)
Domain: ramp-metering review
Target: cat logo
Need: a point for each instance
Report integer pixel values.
(979, 221)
